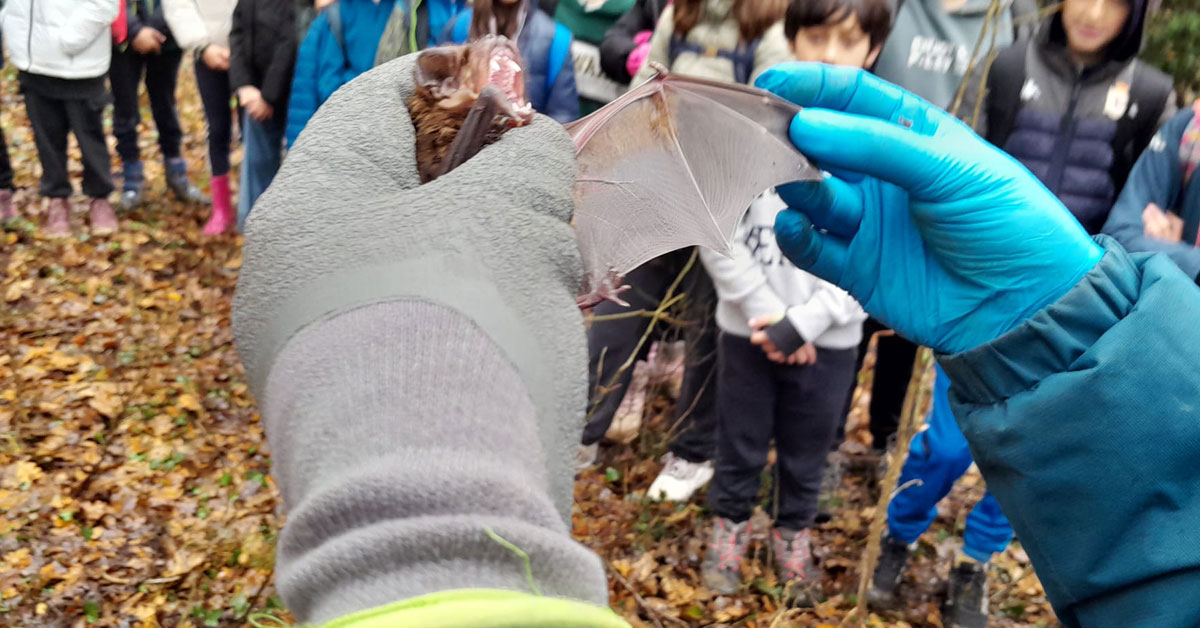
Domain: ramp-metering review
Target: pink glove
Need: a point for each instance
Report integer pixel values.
(638, 55)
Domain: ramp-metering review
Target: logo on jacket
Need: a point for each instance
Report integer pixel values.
(1030, 90)
(1117, 100)
(935, 55)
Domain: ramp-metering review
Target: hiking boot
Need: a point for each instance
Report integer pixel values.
(58, 218)
(585, 456)
(680, 479)
(131, 185)
(794, 565)
(893, 556)
(102, 217)
(177, 182)
(7, 211)
(831, 481)
(722, 567)
(967, 602)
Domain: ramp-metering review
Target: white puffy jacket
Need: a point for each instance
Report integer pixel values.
(69, 39)
(198, 23)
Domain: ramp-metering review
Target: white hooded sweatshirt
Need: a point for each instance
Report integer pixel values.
(759, 281)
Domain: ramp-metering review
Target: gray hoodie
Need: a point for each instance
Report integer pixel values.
(930, 48)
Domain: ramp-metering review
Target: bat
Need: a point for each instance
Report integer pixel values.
(674, 162)
(466, 97)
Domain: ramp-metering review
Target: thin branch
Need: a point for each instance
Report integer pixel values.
(650, 612)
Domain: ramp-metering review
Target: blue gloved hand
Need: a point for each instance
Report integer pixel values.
(946, 239)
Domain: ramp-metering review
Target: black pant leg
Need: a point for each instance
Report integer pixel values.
(611, 343)
(125, 77)
(86, 118)
(215, 95)
(869, 327)
(6, 171)
(745, 422)
(808, 407)
(48, 117)
(162, 76)
(893, 368)
(695, 433)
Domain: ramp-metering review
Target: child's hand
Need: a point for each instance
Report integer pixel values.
(804, 355)
(758, 336)
(251, 98)
(1165, 226)
(148, 40)
(216, 57)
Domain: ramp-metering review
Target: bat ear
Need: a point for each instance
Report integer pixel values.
(437, 69)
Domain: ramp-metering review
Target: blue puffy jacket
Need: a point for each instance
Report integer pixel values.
(1157, 178)
(323, 65)
(1107, 374)
(561, 100)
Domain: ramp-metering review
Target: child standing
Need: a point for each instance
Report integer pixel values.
(788, 346)
(203, 28)
(263, 56)
(150, 54)
(62, 50)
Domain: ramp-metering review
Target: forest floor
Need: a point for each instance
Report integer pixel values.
(135, 483)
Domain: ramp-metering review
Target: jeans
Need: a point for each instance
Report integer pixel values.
(797, 406)
(938, 457)
(263, 154)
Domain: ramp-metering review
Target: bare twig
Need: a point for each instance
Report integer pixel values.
(653, 614)
(910, 422)
(107, 577)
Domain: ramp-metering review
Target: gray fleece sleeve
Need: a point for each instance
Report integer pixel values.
(418, 358)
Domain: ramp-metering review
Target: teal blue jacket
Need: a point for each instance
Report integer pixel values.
(1085, 422)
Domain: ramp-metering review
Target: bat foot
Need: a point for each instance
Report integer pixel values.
(604, 292)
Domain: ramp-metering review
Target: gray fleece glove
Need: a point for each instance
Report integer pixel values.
(418, 358)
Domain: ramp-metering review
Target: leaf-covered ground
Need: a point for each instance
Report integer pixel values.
(135, 484)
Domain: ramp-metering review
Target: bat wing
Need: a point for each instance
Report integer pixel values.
(675, 162)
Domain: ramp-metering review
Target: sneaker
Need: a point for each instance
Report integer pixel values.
(181, 188)
(7, 210)
(722, 569)
(831, 481)
(586, 455)
(967, 602)
(132, 180)
(680, 479)
(794, 564)
(893, 556)
(58, 218)
(103, 220)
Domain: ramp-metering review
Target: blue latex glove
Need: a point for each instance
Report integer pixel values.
(946, 239)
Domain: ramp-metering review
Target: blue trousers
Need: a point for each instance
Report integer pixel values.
(263, 155)
(939, 456)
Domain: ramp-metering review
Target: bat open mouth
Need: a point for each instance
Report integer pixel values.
(505, 74)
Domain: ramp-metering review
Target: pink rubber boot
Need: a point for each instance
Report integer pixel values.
(6, 205)
(222, 212)
(104, 220)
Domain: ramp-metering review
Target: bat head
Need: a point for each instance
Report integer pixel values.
(454, 76)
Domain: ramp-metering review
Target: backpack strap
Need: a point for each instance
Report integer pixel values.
(1006, 77)
(560, 47)
(333, 15)
(742, 57)
(1148, 94)
(1189, 145)
(462, 27)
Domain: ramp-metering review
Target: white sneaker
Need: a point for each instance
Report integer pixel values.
(679, 479)
(585, 456)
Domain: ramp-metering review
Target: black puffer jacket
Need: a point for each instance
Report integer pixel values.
(262, 48)
(618, 41)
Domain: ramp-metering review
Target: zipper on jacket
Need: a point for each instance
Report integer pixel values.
(29, 36)
(1066, 134)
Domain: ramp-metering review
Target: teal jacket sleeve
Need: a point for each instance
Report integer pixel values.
(1155, 178)
(306, 93)
(1085, 422)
